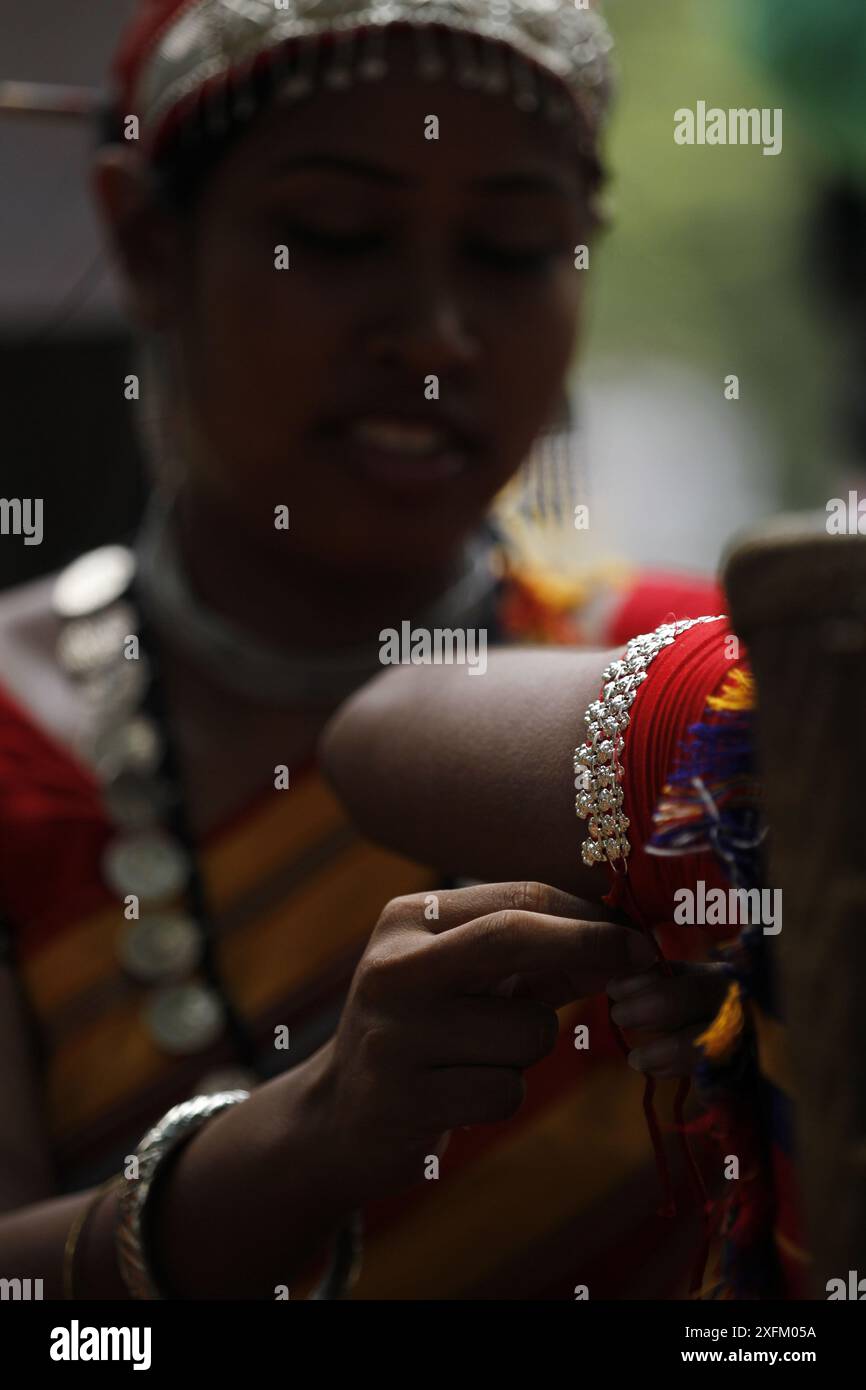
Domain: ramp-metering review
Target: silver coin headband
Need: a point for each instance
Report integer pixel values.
(206, 66)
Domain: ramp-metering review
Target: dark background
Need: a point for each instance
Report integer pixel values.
(66, 432)
(70, 441)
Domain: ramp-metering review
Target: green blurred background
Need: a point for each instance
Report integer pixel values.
(709, 259)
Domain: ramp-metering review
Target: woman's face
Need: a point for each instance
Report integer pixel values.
(388, 382)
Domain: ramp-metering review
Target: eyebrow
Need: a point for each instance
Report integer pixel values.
(525, 183)
(340, 164)
(513, 182)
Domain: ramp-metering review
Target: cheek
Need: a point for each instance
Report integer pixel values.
(532, 347)
(258, 343)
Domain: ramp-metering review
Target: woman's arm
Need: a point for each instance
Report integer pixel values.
(443, 1017)
(250, 1202)
(473, 773)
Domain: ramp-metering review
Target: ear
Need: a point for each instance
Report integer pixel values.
(145, 236)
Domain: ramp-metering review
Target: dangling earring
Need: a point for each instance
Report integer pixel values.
(543, 512)
(551, 480)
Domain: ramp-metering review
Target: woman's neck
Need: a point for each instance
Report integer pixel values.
(297, 602)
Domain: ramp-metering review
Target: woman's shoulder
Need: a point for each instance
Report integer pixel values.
(51, 819)
(41, 776)
(34, 689)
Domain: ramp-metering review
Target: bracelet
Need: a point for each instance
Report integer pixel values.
(75, 1232)
(345, 1264)
(175, 1127)
(598, 763)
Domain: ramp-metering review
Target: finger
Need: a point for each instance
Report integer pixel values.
(492, 1032)
(554, 987)
(670, 1004)
(455, 1096)
(441, 911)
(477, 957)
(668, 1057)
(627, 985)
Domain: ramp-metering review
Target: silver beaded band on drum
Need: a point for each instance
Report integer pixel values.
(598, 763)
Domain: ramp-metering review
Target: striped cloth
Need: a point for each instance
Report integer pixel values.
(562, 1196)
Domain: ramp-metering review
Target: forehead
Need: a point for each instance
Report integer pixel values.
(387, 122)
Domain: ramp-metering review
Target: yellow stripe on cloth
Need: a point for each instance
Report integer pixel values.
(85, 953)
(573, 1153)
(110, 1059)
(275, 835)
(274, 956)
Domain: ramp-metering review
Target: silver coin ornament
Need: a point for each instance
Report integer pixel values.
(117, 689)
(149, 863)
(161, 946)
(90, 644)
(184, 1019)
(136, 802)
(133, 745)
(93, 581)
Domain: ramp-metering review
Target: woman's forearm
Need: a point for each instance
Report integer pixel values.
(32, 1242)
(251, 1201)
(473, 774)
(275, 1192)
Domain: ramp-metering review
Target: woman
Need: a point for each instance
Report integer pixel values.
(360, 330)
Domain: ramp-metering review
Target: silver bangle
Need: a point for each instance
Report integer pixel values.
(598, 762)
(176, 1126)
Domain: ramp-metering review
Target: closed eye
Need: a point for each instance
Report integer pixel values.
(513, 258)
(336, 243)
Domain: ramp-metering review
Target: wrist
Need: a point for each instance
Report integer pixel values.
(252, 1197)
(314, 1109)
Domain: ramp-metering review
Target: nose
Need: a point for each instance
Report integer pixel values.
(423, 328)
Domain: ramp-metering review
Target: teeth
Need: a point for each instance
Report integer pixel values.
(399, 437)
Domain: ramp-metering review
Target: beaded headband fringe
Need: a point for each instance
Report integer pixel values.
(200, 68)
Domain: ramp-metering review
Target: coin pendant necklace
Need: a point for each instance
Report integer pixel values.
(166, 939)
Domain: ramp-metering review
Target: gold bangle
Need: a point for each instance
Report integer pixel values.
(74, 1235)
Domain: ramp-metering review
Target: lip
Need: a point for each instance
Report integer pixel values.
(406, 449)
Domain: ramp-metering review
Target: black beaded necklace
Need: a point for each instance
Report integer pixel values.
(110, 649)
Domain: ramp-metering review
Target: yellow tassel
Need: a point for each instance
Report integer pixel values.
(720, 1039)
(553, 590)
(737, 692)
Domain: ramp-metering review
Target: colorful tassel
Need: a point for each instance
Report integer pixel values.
(726, 1030)
(712, 799)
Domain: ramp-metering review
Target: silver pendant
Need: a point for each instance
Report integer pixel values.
(149, 863)
(88, 645)
(134, 802)
(184, 1019)
(136, 745)
(93, 581)
(161, 946)
(117, 689)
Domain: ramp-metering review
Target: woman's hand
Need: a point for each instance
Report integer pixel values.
(674, 1009)
(446, 1012)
